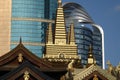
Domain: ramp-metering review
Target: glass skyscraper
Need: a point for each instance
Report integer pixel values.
(86, 32)
(29, 20)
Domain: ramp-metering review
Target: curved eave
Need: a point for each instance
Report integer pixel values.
(13, 54)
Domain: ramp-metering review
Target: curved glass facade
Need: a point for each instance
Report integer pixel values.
(97, 45)
(75, 13)
(25, 24)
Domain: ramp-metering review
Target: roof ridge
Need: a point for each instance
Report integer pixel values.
(91, 69)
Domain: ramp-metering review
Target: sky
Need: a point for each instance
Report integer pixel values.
(107, 14)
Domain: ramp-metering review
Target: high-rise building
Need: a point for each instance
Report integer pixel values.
(86, 32)
(5, 24)
(26, 19)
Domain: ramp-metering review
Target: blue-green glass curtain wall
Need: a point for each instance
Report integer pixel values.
(31, 31)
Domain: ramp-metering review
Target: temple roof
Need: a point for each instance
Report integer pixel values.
(26, 66)
(83, 73)
(20, 59)
(10, 59)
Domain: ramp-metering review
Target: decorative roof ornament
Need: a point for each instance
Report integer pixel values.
(26, 75)
(108, 62)
(70, 66)
(90, 49)
(90, 57)
(20, 40)
(110, 66)
(59, 3)
(91, 69)
(118, 67)
(20, 57)
(70, 73)
(115, 71)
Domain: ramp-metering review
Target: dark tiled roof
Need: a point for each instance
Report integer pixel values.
(29, 66)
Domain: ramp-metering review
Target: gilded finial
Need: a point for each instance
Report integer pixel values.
(90, 54)
(59, 3)
(26, 75)
(90, 49)
(91, 59)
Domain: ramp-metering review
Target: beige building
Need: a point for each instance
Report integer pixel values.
(5, 25)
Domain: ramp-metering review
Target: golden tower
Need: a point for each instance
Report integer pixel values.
(57, 45)
(60, 31)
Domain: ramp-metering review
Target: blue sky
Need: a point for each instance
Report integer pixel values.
(107, 14)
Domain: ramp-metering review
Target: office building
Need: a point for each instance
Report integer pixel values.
(86, 32)
(61, 63)
(26, 19)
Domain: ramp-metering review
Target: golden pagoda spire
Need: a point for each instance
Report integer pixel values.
(50, 37)
(59, 48)
(60, 30)
(72, 34)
